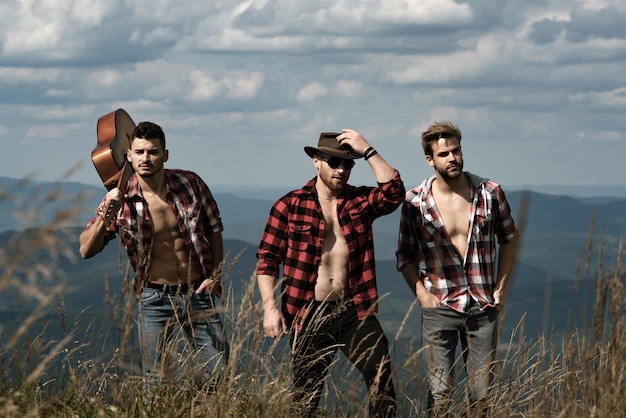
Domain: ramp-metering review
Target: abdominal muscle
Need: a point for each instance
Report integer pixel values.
(332, 273)
(170, 261)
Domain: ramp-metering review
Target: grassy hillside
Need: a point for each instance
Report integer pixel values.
(58, 363)
(68, 343)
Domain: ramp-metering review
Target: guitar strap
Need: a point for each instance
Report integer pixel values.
(125, 174)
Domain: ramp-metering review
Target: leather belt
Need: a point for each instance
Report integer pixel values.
(175, 288)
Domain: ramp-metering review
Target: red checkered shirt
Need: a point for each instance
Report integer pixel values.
(423, 241)
(294, 235)
(197, 217)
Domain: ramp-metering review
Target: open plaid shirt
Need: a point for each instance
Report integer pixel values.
(294, 235)
(423, 241)
(197, 217)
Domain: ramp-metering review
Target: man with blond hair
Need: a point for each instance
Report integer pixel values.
(449, 228)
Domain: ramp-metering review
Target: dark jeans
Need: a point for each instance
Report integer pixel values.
(334, 325)
(442, 328)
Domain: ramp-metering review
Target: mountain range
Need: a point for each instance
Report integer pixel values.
(563, 240)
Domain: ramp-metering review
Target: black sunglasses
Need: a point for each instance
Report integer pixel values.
(335, 162)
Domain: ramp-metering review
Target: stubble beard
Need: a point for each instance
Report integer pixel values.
(148, 172)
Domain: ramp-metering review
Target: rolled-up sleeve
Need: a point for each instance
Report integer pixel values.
(408, 245)
(388, 196)
(273, 246)
(505, 229)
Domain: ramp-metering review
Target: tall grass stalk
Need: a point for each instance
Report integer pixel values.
(90, 367)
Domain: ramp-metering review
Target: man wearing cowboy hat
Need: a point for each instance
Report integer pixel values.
(322, 234)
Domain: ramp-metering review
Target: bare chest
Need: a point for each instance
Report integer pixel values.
(162, 215)
(332, 274)
(335, 248)
(455, 212)
(170, 262)
(331, 222)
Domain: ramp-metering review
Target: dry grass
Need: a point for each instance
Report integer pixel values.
(91, 367)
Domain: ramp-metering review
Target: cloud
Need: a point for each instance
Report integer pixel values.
(283, 25)
(545, 31)
(56, 112)
(605, 22)
(272, 74)
(16, 76)
(615, 99)
(45, 132)
(345, 16)
(311, 92)
(51, 27)
(348, 88)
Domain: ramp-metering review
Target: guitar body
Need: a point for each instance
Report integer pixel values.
(109, 157)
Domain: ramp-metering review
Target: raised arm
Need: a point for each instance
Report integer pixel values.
(382, 170)
(93, 239)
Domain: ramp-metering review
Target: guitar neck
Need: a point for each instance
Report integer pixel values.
(120, 179)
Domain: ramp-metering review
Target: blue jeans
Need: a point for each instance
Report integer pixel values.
(161, 313)
(442, 328)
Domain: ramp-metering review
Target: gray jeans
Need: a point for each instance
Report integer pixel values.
(442, 328)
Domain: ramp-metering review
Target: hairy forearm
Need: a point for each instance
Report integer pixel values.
(382, 170)
(506, 263)
(412, 278)
(267, 290)
(92, 239)
(217, 252)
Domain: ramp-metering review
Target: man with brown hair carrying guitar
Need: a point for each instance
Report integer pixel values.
(171, 227)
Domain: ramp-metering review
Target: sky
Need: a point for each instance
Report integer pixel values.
(537, 87)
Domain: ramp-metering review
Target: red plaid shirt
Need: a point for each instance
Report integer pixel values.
(423, 241)
(294, 235)
(196, 212)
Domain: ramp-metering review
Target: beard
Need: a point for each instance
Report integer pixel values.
(446, 173)
(334, 183)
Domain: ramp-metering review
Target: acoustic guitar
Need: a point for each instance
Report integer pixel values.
(109, 156)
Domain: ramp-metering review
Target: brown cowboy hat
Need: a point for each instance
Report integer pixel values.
(329, 145)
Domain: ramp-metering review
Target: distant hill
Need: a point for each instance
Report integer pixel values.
(85, 279)
(94, 285)
(555, 228)
(597, 193)
(555, 238)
